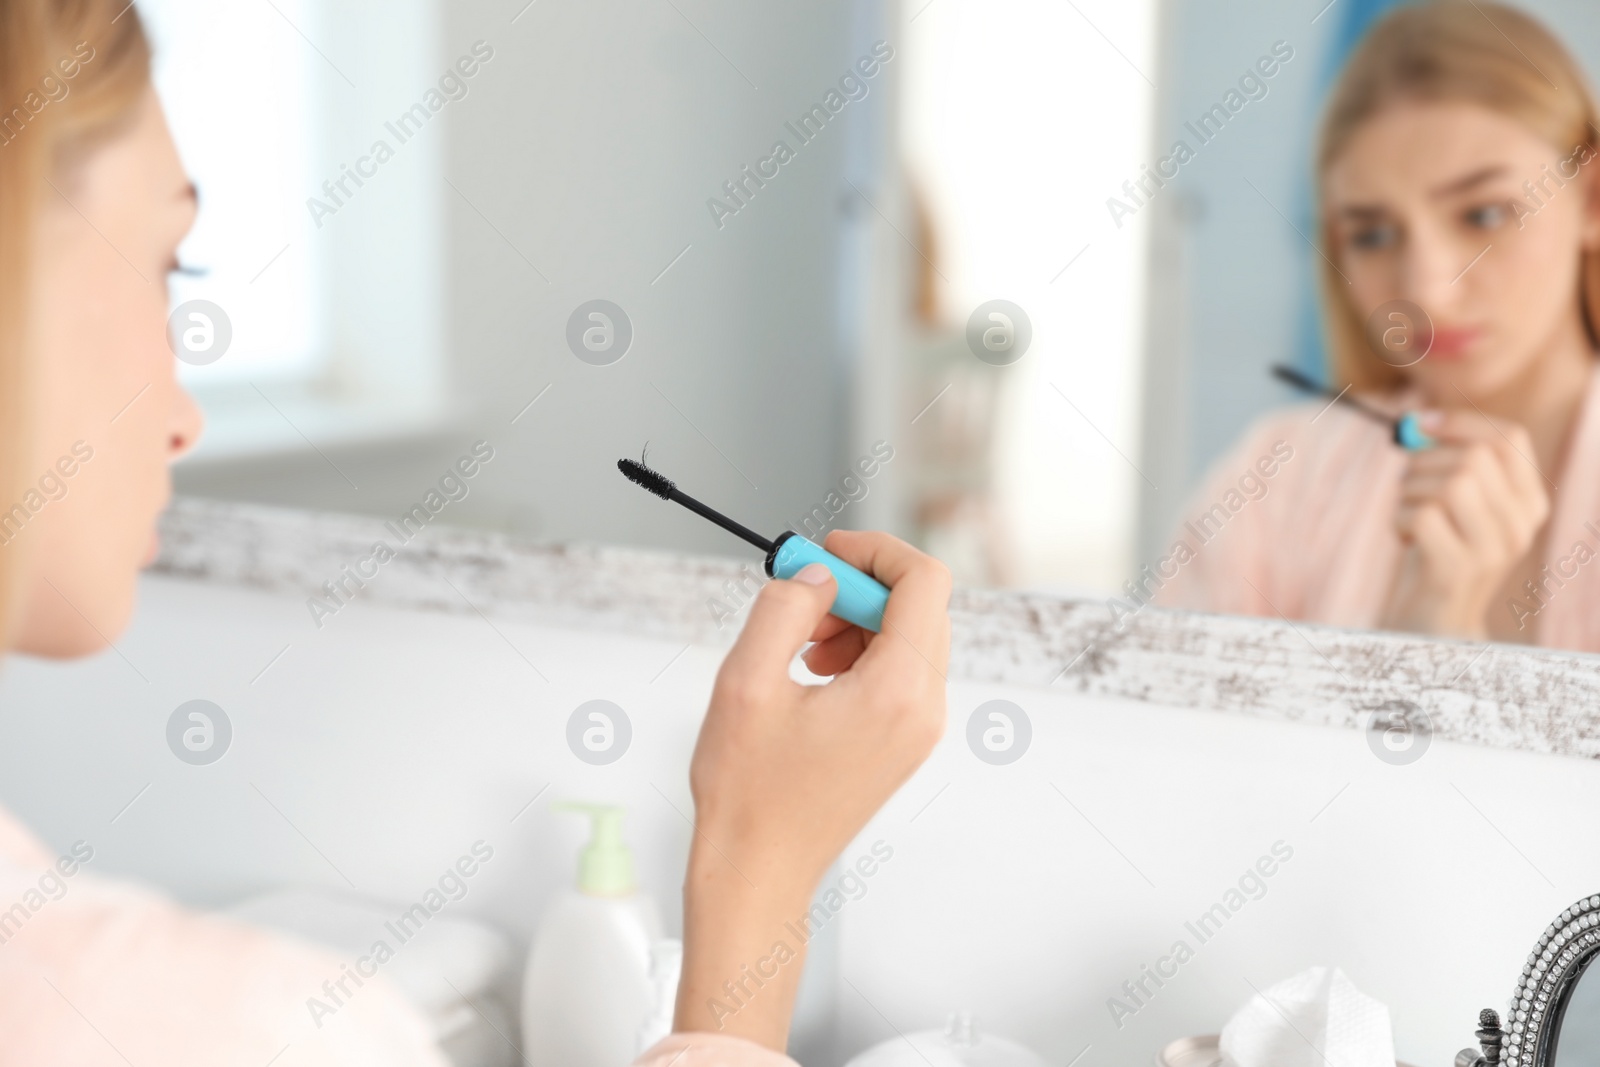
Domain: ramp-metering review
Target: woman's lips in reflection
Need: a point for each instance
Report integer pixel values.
(1453, 342)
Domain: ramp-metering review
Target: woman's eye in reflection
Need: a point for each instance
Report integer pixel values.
(1486, 216)
(1375, 238)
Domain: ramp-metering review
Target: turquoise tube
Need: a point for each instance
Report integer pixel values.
(1409, 435)
(861, 599)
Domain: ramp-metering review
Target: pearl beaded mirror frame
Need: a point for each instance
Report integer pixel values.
(1544, 993)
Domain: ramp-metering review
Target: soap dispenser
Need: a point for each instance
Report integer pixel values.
(589, 987)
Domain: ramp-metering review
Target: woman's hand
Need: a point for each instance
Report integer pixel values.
(785, 775)
(1470, 510)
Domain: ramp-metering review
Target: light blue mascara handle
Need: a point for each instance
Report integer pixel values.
(861, 599)
(1409, 435)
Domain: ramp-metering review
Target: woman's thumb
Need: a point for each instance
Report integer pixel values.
(781, 620)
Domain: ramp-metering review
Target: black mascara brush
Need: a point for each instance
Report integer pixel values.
(861, 599)
(667, 489)
(1407, 429)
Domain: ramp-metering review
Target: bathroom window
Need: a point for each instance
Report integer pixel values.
(333, 317)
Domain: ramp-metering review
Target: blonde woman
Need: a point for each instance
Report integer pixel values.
(93, 205)
(1456, 171)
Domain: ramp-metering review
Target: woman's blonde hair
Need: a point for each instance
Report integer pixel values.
(48, 120)
(1474, 51)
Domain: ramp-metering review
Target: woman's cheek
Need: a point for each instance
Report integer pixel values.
(1374, 281)
(1537, 273)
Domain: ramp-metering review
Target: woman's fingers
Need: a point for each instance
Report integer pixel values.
(836, 654)
(1470, 508)
(1483, 479)
(1477, 514)
(835, 646)
(788, 613)
(1437, 536)
(785, 613)
(828, 627)
(1511, 445)
(1475, 494)
(917, 616)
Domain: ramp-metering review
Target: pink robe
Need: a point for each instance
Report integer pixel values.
(1314, 539)
(100, 973)
(711, 1050)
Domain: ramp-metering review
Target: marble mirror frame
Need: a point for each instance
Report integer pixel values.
(1392, 686)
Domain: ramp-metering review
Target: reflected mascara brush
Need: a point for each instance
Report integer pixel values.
(1407, 430)
(860, 598)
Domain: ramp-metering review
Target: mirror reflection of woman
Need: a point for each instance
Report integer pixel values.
(1456, 170)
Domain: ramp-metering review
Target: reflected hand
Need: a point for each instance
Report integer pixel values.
(785, 775)
(1470, 511)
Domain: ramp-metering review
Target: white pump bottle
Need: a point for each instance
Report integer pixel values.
(589, 994)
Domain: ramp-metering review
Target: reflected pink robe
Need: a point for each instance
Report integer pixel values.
(1320, 545)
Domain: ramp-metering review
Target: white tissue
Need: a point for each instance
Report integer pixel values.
(1316, 1019)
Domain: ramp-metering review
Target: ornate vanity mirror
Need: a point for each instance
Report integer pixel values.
(1555, 1012)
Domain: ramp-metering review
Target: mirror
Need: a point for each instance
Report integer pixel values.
(1578, 1042)
(1554, 1019)
(1009, 279)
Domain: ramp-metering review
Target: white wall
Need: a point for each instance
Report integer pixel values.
(1014, 906)
(392, 740)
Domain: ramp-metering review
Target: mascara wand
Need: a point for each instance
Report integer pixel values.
(667, 489)
(1407, 429)
(861, 599)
